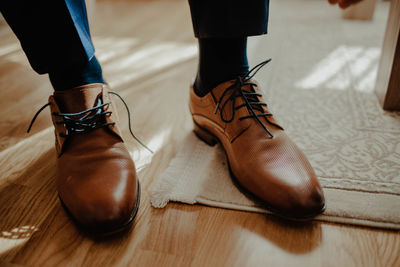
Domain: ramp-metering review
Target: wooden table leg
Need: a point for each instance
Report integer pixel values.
(388, 80)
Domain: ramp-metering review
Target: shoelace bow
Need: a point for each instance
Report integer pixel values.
(251, 101)
(88, 120)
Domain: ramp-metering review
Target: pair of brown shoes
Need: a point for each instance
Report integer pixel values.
(96, 177)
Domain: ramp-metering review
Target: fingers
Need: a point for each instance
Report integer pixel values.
(346, 3)
(343, 3)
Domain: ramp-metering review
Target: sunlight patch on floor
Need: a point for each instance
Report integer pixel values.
(15, 237)
(141, 156)
(10, 48)
(108, 48)
(37, 142)
(128, 55)
(344, 68)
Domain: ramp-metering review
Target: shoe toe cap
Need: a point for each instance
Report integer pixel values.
(101, 208)
(293, 194)
(305, 202)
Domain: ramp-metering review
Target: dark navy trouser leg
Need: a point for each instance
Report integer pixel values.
(54, 32)
(51, 32)
(229, 18)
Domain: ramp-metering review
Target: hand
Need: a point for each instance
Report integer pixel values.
(343, 3)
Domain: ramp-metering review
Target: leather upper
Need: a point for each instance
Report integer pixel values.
(96, 177)
(273, 169)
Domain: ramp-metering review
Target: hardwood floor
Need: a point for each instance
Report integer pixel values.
(152, 72)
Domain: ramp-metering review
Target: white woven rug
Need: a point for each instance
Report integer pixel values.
(320, 86)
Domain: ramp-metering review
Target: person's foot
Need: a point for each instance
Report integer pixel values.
(263, 161)
(96, 177)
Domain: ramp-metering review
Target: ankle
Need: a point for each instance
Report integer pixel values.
(221, 59)
(64, 79)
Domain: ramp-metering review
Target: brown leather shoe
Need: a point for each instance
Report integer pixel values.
(262, 159)
(96, 177)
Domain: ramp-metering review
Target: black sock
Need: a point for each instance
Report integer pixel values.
(63, 79)
(221, 59)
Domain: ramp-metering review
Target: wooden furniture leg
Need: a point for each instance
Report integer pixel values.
(388, 80)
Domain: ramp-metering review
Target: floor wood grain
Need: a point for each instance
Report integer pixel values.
(152, 72)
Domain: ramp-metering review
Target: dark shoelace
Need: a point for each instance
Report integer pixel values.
(251, 101)
(88, 120)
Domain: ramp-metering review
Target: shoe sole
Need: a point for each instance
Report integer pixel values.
(212, 140)
(110, 231)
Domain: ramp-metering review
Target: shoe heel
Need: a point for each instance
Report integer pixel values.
(204, 135)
